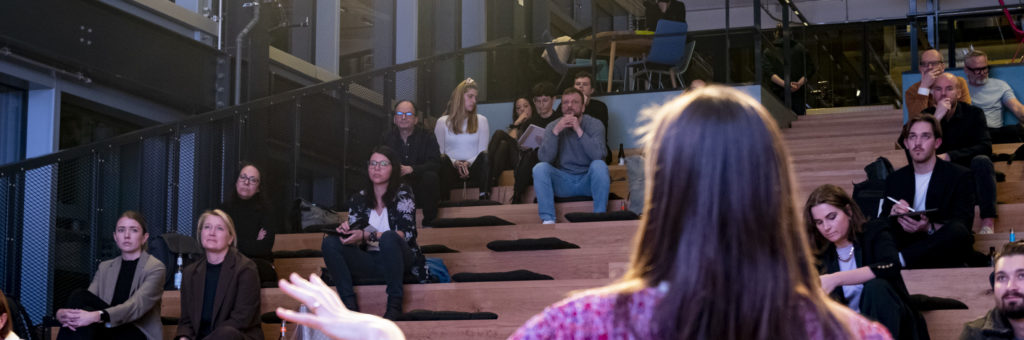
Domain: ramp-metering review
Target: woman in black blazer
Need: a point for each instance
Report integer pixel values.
(859, 263)
(220, 295)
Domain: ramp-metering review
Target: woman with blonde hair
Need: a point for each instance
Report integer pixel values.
(720, 252)
(463, 135)
(220, 295)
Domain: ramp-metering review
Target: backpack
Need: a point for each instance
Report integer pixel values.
(870, 193)
(312, 218)
(167, 247)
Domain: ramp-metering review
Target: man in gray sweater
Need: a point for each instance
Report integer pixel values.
(571, 159)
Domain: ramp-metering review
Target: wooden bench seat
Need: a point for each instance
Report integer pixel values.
(561, 264)
(514, 300)
(589, 234)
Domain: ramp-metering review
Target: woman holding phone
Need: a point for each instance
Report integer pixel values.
(378, 241)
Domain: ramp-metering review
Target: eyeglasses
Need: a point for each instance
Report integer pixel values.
(377, 164)
(248, 179)
(410, 114)
(977, 70)
(930, 63)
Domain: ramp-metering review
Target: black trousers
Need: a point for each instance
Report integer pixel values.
(948, 247)
(1007, 134)
(426, 189)
(504, 153)
(479, 175)
(523, 173)
(984, 185)
(346, 262)
(879, 301)
(85, 300)
(797, 99)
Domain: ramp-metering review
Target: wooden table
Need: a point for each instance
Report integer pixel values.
(622, 44)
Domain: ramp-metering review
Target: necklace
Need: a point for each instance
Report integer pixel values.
(848, 256)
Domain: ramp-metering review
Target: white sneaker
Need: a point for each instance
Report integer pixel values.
(548, 222)
(985, 230)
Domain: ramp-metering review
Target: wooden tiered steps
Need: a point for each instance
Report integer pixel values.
(827, 148)
(585, 235)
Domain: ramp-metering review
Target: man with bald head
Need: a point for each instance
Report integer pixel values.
(966, 142)
(931, 66)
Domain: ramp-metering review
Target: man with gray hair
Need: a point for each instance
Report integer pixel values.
(993, 96)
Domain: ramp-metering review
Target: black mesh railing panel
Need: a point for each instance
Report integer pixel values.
(74, 229)
(39, 212)
(6, 190)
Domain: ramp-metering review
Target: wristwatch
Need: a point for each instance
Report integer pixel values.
(104, 316)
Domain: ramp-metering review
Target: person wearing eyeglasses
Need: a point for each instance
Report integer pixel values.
(378, 241)
(255, 220)
(420, 157)
(993, 96)
(930, 66)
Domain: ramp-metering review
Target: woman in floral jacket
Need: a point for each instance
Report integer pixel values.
(379, 239)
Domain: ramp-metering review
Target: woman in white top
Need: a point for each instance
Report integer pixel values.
(462, 135)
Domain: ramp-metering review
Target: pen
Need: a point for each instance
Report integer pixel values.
(898, 202)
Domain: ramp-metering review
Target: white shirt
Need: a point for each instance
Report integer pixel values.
(463, 146)
(852, 293)
(378, 223)
(921, 190)
(11, 335)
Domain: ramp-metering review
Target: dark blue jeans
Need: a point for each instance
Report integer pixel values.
(346, 262)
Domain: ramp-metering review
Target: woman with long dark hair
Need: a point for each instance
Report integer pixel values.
(858, 262)
(503, 149)
(462, 135)
(378, 241)
(720, 252)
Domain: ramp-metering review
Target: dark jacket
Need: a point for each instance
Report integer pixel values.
(964, 134)
(420, 151)
(950, 190)
(873, 248)
(991, 326)
(800, 64)
(249, 217)
(237, 304)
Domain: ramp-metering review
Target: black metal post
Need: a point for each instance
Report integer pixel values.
(728, 76)
(758, 70)
(787, 40)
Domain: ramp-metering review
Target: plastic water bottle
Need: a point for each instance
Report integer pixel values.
(177, 275)
(1013, 237)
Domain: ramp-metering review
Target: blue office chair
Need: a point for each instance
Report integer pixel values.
(669, 55)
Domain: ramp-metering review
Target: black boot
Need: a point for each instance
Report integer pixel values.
(351, 303)
(394, 308)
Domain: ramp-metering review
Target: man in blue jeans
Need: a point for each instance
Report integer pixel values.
(571, 159)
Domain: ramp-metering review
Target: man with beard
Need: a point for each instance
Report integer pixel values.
(1006, 320)
(993, 96)
(941, 237)
(571, 159)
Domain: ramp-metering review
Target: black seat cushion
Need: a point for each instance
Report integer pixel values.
(515, 275)
(292, 254)
(436, 249)
(621, 215)
(482, 221)
(169, 320)
(925, 303)
(320, 228)
(430, 315)
(467, 203)
(611, 197)
(270, 317)
(546, 243)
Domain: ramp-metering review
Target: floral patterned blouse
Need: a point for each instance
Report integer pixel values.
(591, 315)
(401, 217)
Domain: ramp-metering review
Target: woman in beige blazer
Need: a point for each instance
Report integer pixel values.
(123, 300)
